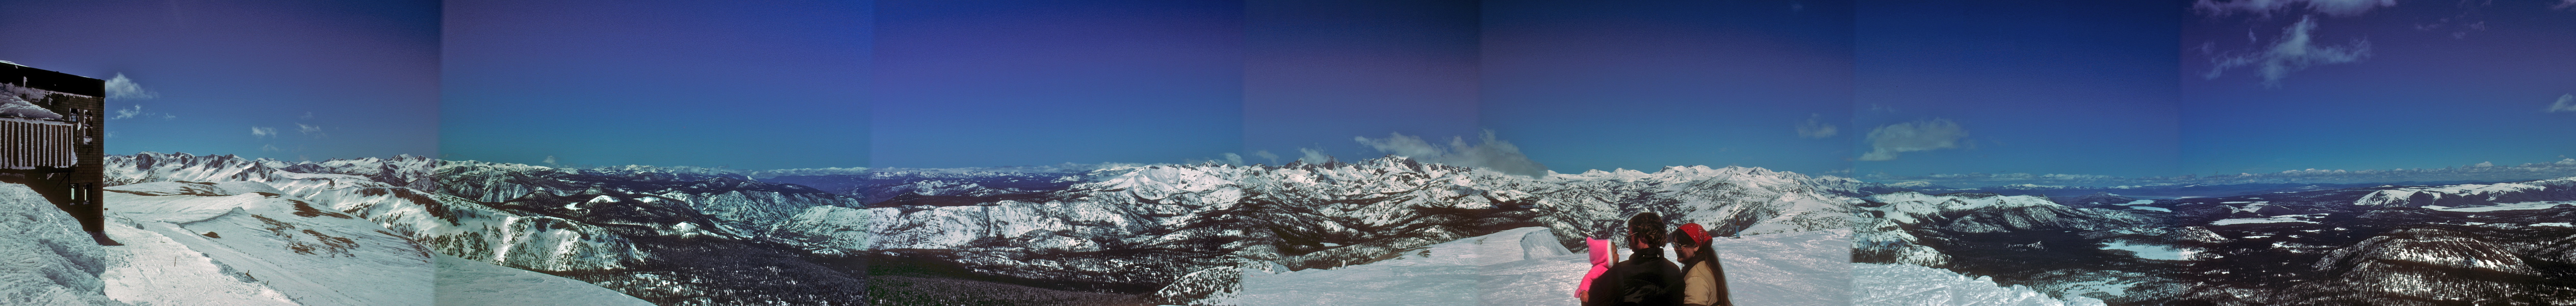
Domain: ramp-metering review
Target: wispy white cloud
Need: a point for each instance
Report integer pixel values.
(262, 132)
(2566, 103)
(1815, 127)
(128, 112)
(122, 88)
(1489, 152)
(1313, 156)
(310, 130)
(1233, 159)
(2337, 8)
(1886, 142)
(2295, 50)
(270, 148)
(2565, 5)
(306, 116)
(550, 160)
(1265, 154)
(137, 111)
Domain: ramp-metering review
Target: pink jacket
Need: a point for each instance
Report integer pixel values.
(1602, 257)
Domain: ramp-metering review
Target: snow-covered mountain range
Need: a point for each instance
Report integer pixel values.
(1196, 224)
(667, 237)
(1217, 234)
(2499, 244)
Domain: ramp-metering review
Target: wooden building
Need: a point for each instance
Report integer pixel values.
(51, 139)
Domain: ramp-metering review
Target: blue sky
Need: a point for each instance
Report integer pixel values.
(775, 84)
(276, 79)
(2415, 85)
(1874, 86)
(1317, 73)
(1000, 83)
(2083, 87)
(1645, 84)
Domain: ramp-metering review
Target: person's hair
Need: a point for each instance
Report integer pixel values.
(1681, 238)
(1647, 228)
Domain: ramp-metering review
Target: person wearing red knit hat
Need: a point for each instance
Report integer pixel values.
(1704, 281)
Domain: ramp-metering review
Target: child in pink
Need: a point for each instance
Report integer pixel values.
(1602, 257)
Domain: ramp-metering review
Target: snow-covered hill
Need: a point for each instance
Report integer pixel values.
(666, 236)
(190, 243)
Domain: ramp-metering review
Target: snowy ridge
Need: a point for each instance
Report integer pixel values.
(399, 171)
(463, 228)
(2559, 189)
(1885, 236)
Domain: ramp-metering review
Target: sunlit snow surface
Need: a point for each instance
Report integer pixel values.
(2506, 206)
(1891, 284)
(468, 282)
(267, 249)
(1795, 268)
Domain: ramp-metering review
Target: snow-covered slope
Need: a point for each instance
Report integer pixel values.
(45, 258)
(665, 235)
(1896, 284)
(465, 282)
(263, 245)
(1524, 267)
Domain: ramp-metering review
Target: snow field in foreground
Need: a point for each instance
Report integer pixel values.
(267, 248)
(1891, 284)
(468, 282)
(1515, 268)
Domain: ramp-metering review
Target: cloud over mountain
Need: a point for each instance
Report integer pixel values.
(1886, 142)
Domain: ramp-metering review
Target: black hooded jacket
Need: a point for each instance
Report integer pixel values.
(1645, 279)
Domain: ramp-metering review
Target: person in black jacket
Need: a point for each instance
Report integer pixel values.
(1645, 279)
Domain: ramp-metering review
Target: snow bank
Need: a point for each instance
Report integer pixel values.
(468, 282)
(45, 259)
(1890, 284)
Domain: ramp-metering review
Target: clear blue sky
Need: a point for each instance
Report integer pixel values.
(324, 79)
(1028, 82)
(754, 85)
